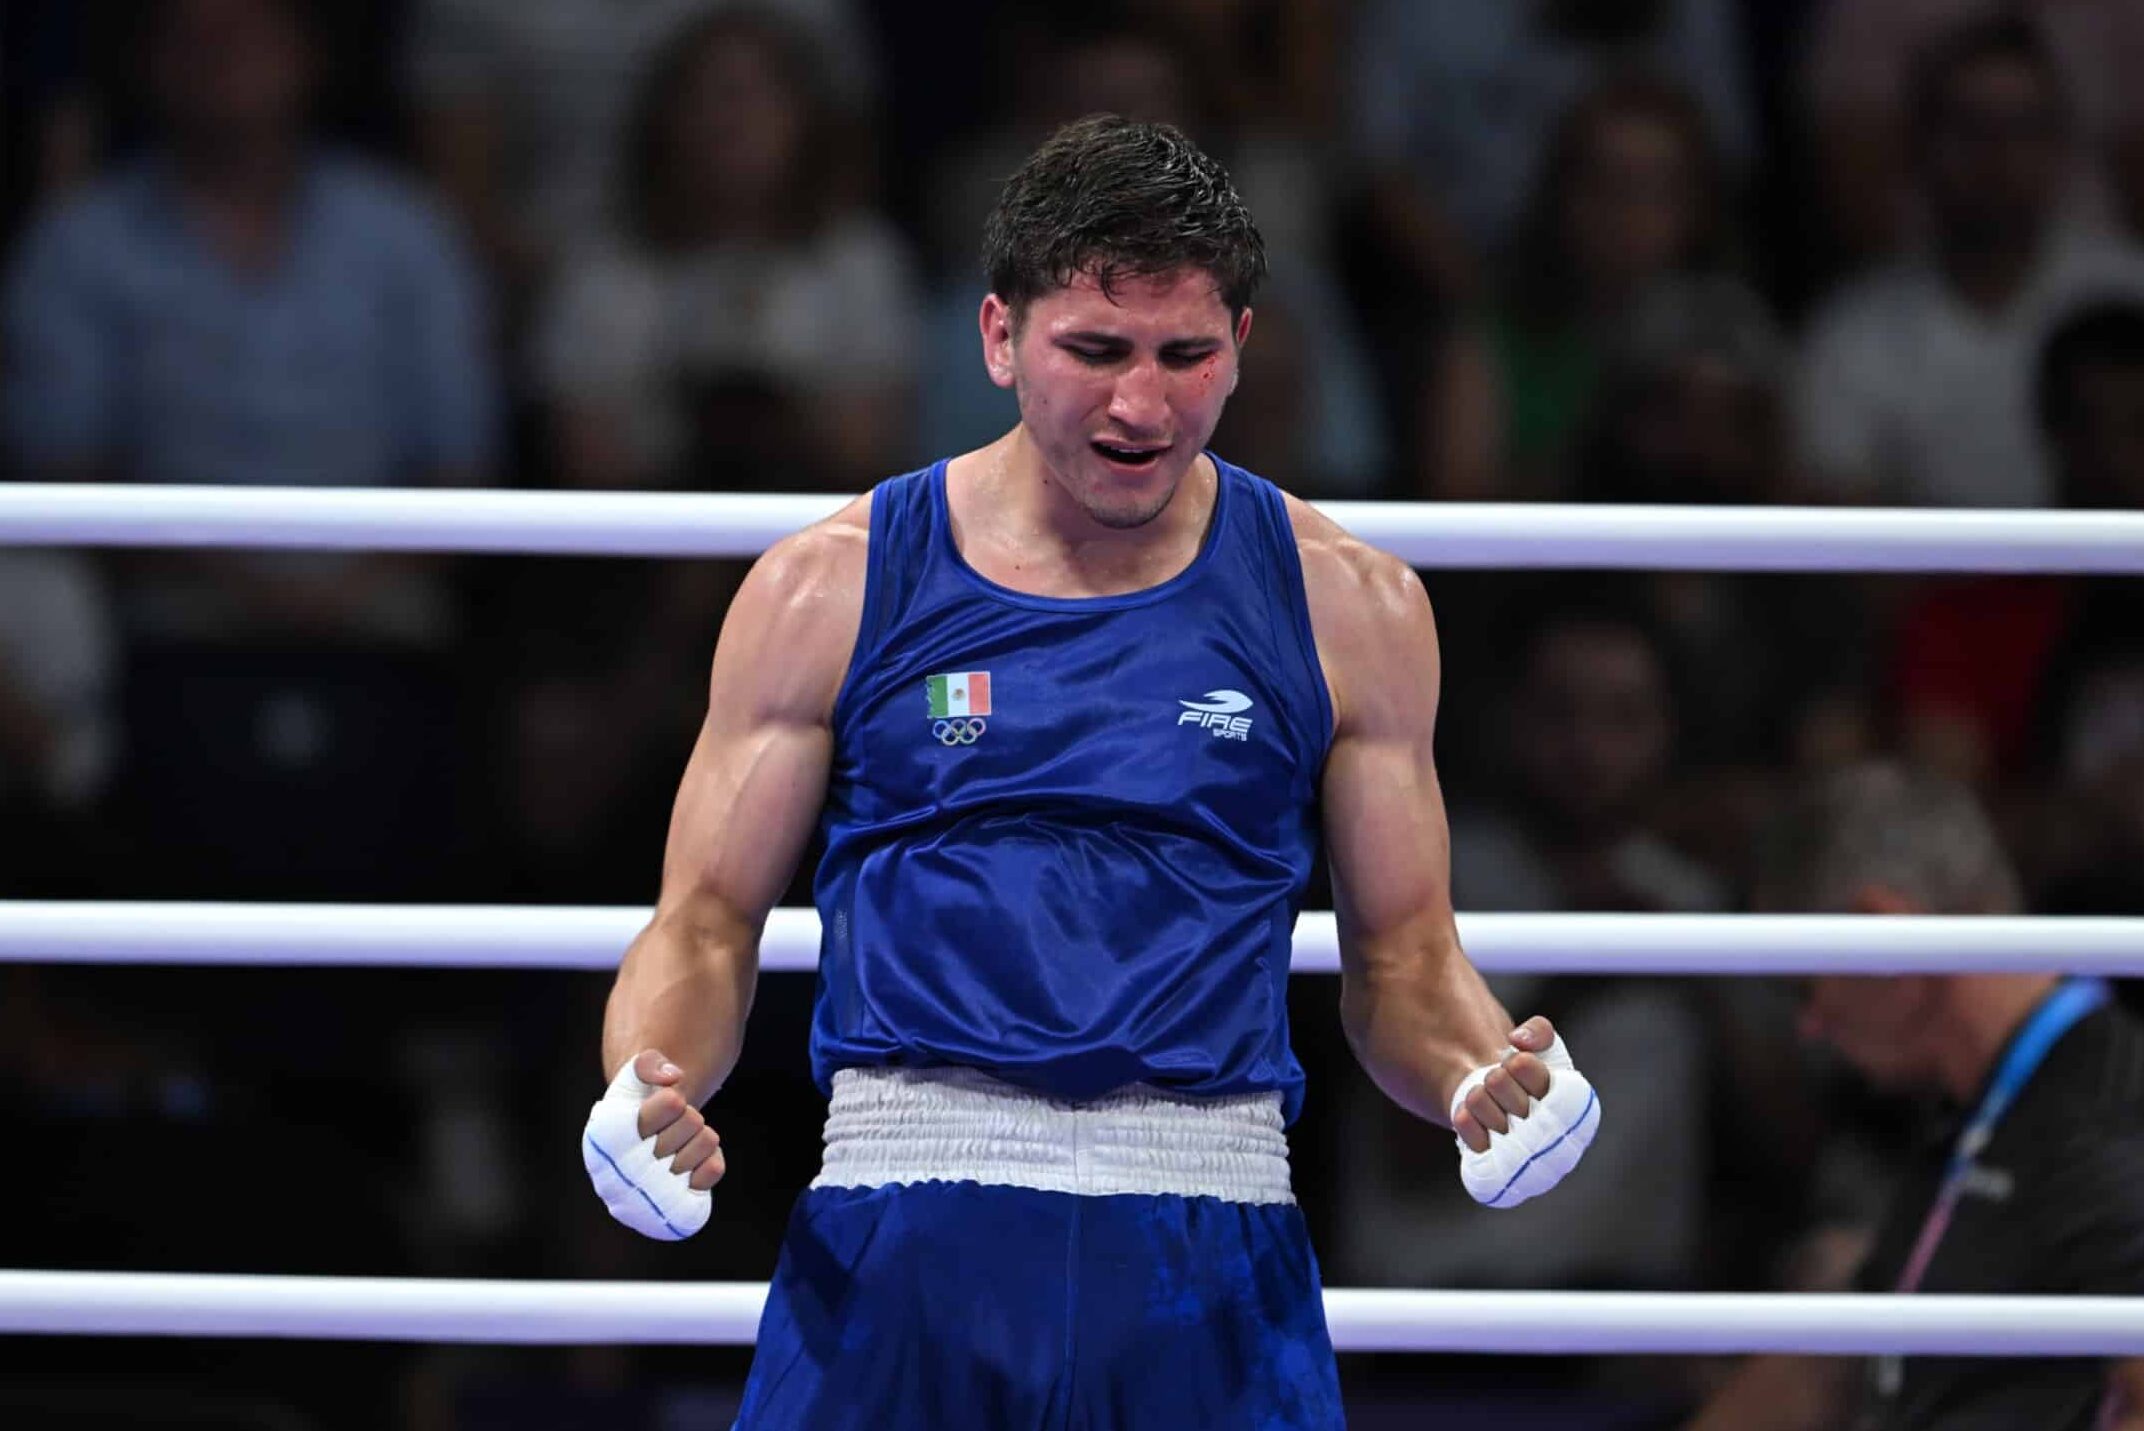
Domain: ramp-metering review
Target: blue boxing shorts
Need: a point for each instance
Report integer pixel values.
(978, 1256)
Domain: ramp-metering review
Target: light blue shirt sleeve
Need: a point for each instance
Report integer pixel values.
(1381, 86)
(1404, 68)
(449, 393)
(1708, 36)
(60, 361)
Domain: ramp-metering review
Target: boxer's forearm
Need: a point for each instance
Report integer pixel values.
(1419, 1019)
(685, 987)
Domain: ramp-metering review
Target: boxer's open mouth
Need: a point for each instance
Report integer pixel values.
(1129, 456)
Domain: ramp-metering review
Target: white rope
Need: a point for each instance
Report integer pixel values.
(1445, 534)
(398, 519)
(727, 1313)
(585, 937)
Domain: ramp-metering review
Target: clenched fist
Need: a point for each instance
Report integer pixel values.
(1523, 1122)
(650, 1154)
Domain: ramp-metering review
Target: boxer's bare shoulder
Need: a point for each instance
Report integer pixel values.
(1368, 612)
(815, 577)
(799, 610)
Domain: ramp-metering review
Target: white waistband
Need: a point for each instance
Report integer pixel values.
(905, 1125)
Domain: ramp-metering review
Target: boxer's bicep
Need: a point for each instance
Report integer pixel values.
(744, 811)
(1389, 841)
(1415, 1011)
(746, 806)
(753, 787)
(1383, 809)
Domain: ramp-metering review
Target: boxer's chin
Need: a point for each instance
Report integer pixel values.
(1124, 496)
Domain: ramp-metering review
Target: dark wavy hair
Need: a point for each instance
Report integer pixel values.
(1117, 198)
(2104, 333)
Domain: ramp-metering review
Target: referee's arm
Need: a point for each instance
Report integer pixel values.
(2126, 1382)
(2095, 1237)
(2091, 1243)
(1783, 1393)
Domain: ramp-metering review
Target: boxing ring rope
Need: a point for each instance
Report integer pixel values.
(1455, 534)
(727, 1313)
(734, 525)
(584, 937)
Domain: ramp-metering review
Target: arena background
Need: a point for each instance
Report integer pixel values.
(1621, 250)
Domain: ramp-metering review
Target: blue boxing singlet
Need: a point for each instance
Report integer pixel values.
(1066, 838)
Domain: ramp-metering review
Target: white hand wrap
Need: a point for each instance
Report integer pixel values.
(1542, 1146)
(636, 1185)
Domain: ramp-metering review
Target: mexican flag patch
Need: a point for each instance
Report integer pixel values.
(961, 693)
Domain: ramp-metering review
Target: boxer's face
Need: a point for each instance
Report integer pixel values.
(1119, 391)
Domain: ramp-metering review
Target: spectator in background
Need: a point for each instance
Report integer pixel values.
(1688, 406)
(2045, 1201)
(1692, 410)
(1992, 676)
(1860, 60)
(1631, 191)
(748, 324)
(1455, 103)
(1276, 62)
(1592, 731)
(58, 708)
(1916, 381)
(243, 306)
(49, 124)
(2089, 399)
(522, 110)
(1591, 727)
(2088, 711)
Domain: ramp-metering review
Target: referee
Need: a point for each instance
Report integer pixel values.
(2035, 1185)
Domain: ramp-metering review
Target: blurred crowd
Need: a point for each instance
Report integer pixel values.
(1681, 251)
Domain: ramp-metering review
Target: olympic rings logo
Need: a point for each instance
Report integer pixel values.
(958, 732)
